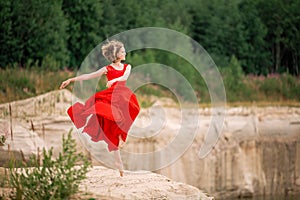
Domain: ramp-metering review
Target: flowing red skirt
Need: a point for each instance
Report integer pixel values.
(112, 113)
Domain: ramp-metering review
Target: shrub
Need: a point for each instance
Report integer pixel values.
(233, 78)
(52, 178)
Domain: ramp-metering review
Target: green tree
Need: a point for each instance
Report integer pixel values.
(38, 30)
(256, 56)
(122, 15)
(84, 28)
(291, 58)
(218, 27)
(6, 39)
(283, 21)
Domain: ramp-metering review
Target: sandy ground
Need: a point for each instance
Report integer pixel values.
(137, 185)
(104, 183)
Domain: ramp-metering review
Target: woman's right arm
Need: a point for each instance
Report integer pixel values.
(83, 77)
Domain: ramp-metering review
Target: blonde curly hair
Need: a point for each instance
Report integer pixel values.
(111, 49)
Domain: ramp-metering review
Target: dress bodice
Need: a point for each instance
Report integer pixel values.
(113, 73)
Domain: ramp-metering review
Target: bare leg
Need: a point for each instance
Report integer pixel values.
(118, 162)
(121, 142)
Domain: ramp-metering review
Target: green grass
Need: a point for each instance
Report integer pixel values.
(20, 83)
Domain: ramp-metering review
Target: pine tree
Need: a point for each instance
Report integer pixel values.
(84, 28)
(39, 31)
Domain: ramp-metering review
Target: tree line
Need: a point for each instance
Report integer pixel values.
(262, 35)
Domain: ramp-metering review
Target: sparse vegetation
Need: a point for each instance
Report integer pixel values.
(48, 178)
(277, 89)
(20, 83)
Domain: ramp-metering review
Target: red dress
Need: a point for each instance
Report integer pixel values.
(112, 111)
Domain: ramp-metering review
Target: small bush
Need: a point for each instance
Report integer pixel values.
(50, 63)
(52, 178)
(271, 87)
(233, 78)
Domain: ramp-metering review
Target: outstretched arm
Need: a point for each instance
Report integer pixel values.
(83, 77)
(121, 78)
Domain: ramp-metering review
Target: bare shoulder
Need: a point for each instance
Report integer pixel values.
(128, 66)
(103, 69)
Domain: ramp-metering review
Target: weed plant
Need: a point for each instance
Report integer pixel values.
(49, 178)
(20, 83)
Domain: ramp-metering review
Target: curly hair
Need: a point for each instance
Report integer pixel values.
(111, 49)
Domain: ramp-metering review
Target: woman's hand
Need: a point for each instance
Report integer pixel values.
(65, 84)
(109, 83)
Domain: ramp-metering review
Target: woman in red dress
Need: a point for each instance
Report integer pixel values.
(108, 114)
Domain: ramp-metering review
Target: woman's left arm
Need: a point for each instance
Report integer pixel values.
(121, 78)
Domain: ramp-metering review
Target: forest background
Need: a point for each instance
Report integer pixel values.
(254, 43)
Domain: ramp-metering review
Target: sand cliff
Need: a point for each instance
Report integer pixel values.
(258, 151)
